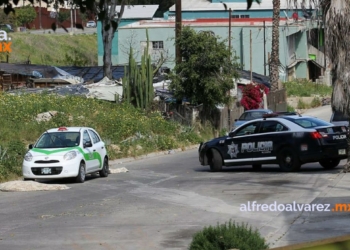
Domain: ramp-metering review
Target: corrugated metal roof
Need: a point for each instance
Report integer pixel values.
(206, 5)
(94, 73)
(138, 11)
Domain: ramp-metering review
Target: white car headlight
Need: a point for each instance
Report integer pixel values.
(28, 157)
(70, 155)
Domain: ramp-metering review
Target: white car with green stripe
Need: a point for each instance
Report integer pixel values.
(66, 152)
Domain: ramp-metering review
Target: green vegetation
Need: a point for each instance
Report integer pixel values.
(128, 131)
(25, 15)
(316, 102)
(53, 49)
(138, 80)
(301, 104)
(207, 69)
(228, 236)
(304, 88)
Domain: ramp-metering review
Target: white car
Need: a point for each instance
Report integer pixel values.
(91, 24)
(66, 152)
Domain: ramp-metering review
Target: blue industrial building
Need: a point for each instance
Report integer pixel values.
(301, 43)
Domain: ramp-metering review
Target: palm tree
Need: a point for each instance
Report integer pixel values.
(337, 36)
(274, 60)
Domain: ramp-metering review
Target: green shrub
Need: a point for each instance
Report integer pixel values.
(305, 88)
(10, 160)
(228, 236)
(290, 108)
(301, 104)
(316, 102)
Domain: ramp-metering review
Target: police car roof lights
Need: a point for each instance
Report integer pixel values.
(270, 115)
(62, 129)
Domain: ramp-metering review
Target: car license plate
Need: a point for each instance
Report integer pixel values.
(46, 171)
(342, 151)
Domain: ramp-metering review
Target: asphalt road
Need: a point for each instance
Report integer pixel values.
(162, 201)
(159, 204)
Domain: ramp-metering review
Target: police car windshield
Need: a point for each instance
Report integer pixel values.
(58, 140)
(308, 122)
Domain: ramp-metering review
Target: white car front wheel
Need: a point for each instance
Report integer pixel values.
(81, 173)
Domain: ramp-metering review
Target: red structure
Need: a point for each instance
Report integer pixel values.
(47, 18)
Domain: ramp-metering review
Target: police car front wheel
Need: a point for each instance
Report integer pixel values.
(215, 161)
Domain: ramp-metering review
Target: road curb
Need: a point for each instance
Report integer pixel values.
(112, 163)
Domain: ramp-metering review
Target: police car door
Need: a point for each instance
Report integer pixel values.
(91, 162)
(238, 146)
(270, 135)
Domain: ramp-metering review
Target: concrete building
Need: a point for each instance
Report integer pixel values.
(132, 13)
(301, 45)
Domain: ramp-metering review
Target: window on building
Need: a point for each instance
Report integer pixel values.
(209, 32)
(235, 16)
(158, 45)
(245, 16)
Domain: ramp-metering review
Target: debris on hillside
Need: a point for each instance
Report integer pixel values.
(118, 170)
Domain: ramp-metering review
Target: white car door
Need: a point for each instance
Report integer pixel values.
(92, 162)
(99, 146)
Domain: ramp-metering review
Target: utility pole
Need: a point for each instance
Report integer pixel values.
(40, 26)
(178, 26)
(229, 47)
(229, 31)
(264, 49)
(71, 17)
(251, 58)
(75, 15)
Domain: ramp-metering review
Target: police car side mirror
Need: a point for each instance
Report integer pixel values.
(30, 146)
(87, 144)
(231, 134)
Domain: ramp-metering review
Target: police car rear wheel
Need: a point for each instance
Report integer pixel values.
(81, 174)
(104, 172)
(288, 160)
(329, 164)
(216, 161)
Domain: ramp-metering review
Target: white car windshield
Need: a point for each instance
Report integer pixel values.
(58, 140)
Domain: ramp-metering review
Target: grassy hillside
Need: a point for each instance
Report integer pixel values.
(128, 131)
(53, 49)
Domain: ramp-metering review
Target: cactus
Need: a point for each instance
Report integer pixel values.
(138, 80)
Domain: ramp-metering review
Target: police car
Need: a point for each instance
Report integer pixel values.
(288, 141)
(66, 152)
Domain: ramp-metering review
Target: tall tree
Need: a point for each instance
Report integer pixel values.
(336, 26)
(206, 72)
(25, 15)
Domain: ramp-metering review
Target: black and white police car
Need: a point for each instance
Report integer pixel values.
(287, 140)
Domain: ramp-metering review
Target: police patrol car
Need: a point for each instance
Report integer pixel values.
(288, 141)
(66, 152)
